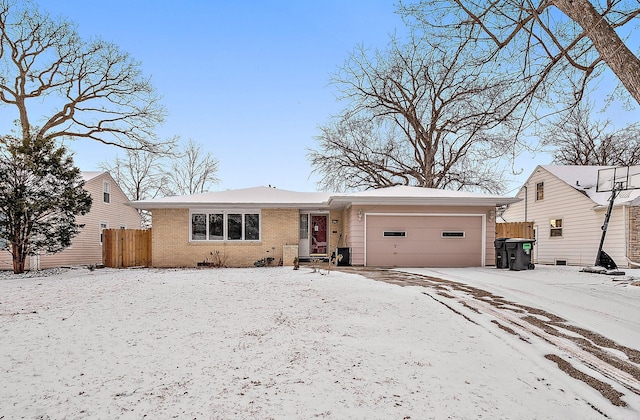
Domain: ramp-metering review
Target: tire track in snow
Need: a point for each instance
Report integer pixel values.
(620, 365)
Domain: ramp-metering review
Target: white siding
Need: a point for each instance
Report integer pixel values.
(581, 221)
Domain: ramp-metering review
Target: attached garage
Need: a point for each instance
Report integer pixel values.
(424, 240)
(399, 226)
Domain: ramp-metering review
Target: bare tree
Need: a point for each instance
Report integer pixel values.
(580, 140)
(88, 89)
(143, 175)
(417, 115)
(139, 173)
(192, 171)
(547, 41)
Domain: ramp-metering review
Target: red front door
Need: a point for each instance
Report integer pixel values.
(319, 235)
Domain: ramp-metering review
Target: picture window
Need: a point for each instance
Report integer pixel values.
(219, 226)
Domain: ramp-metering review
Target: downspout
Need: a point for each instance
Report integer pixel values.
(526, 197)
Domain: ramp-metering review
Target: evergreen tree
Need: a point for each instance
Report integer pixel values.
(41, 192)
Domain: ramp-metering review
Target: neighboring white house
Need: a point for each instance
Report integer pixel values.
(568, 215)
(109, 210)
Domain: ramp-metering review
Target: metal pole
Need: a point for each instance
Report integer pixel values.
(614, 192)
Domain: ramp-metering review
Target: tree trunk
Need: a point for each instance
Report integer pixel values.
(624, 64)
(18, 258)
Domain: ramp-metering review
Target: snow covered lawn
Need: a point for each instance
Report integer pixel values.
(275, 343)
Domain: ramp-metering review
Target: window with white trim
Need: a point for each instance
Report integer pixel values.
(106, 192)
(539, 191)
(555, 228)
(103, 226)
(223, 226)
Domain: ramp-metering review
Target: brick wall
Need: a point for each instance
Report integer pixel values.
(172, 248)
(633, 242)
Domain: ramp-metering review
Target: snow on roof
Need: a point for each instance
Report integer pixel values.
(265, 197)
(402, 194)
(88, 175)
(584, 179)
(256, 196)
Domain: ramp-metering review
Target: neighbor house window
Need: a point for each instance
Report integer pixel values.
(106, 192)
(220, 226)
(103, 226)
(539, 191)
(555, 226)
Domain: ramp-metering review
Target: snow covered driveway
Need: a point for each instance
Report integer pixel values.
(278, 343)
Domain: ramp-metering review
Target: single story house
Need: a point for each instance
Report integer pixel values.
(395, 226)
(568, 214)
(108, 211)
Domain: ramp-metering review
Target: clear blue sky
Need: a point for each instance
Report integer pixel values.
(247, 79)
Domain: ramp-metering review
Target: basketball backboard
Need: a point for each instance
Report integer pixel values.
(622, 178)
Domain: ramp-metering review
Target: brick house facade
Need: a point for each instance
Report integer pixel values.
(241, 227)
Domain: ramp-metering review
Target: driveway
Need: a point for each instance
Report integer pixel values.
(592, 319)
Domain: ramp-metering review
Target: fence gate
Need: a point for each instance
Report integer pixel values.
(515, 230)
(123, 248)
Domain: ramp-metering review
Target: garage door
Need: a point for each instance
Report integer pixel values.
(424, 241)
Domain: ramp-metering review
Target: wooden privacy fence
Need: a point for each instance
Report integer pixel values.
(126, 248)
(515, 230)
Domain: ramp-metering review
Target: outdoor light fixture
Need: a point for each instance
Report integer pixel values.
(492, 215)
(359, 214)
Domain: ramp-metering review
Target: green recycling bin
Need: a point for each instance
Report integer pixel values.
(519, 253)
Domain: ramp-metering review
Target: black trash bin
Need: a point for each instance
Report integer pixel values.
(519, 252)
(344, 257)
(502, 259)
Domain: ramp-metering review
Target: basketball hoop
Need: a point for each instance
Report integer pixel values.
(613, 180)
